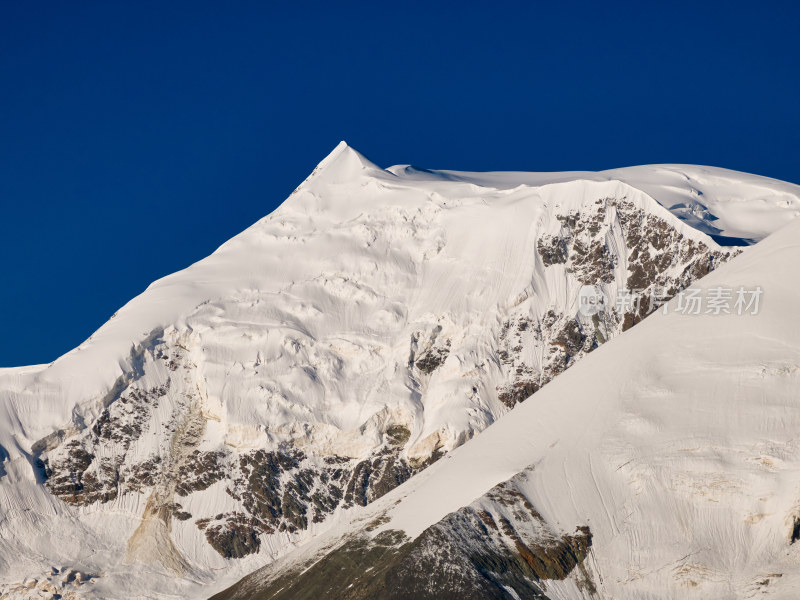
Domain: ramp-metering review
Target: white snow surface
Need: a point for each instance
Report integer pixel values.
(482, 209)
(357, 258)
(677, 444)
(717, 201)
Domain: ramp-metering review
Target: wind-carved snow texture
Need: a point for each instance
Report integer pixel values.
(373, 323)
(664, 466)
(281, 487)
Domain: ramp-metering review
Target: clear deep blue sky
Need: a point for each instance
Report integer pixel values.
(137, 137)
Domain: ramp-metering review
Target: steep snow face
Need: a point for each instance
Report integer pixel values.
(374, 322)
(665, 465)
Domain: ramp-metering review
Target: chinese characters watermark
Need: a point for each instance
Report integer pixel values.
(691, 301)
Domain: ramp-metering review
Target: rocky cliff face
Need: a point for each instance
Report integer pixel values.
(498, 547)
(605, 243)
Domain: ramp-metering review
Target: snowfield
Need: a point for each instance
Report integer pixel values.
(675, 446)
(317, 367)
(719, 202)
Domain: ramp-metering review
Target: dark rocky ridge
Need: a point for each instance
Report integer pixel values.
(478, 552)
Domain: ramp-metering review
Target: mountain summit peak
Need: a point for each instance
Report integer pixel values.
(343, 164)
(374, 323)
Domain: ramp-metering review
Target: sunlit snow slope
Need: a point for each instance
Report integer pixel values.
(665, 465)
(332, 351)
(731, 206)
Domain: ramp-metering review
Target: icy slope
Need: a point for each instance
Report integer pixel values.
(665, 465)
(375, 321)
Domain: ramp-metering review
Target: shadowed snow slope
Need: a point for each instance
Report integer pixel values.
(675, 446)
(373, 323)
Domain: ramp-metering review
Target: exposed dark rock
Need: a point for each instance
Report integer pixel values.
(3, 459)
(259, 488)
(420, 465)
(279, 493)
(200, 471)
(182, 515)
(234, 537)
(398, 434)
(428, 350)
(74, 470)
(392, 472)
(144, 474)
(123, 421)
(75, 476)
(432, 360)
(373, 478)
(65, 478)
(470, 554)
(325, 502)
(571, 338)
(660, 263)
(358, 486)
(552, 250)
(296, 500)
(516, 392)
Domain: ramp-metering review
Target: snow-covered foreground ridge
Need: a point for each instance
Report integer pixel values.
(665, 465)
(375, 321)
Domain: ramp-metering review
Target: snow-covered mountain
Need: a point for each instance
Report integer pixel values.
(340, 346)
(665, 465)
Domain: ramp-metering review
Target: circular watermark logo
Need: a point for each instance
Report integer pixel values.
(591, 301)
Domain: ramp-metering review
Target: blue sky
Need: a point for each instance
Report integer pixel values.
(137, 137)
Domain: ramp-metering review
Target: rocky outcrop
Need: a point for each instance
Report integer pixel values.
(497, 548)
(428, 350)
(283, 491)
(618, 248)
